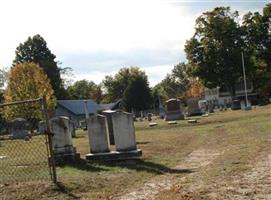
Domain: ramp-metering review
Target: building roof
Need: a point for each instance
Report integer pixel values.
(111, 106)
(77, 106)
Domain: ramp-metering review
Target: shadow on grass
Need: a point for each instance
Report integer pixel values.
(141, 165)
(82, 164)
(143, 142)
(137, 165)
(60, 187)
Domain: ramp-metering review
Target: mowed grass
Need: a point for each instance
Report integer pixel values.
(239, 135)
(24, 160)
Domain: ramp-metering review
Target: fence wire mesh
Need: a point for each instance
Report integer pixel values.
(24, 152)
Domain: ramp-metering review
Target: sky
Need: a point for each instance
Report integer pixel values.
(98, 37)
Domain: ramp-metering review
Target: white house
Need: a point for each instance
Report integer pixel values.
(222, 95)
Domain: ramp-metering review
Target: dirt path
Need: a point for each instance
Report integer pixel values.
(194, 162)
(253, 184)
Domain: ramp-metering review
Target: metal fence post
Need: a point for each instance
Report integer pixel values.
(50, 143)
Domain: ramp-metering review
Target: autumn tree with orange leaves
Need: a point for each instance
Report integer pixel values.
(27, 81)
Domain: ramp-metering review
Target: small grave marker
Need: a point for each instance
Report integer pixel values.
(152, 124)
(172, 122)
(192, 121)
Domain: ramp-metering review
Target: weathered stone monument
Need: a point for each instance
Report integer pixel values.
(109, 114)
(124, 131)
(173, 110)
(124, 137)
(62, 140)
(98, 134)
(193, 106)
(19, 129)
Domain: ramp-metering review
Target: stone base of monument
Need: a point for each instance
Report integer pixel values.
(66, 155)
(171, 116)
(115, 155)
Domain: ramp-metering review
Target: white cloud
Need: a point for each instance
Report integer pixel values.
(74, 26)
(88, 27)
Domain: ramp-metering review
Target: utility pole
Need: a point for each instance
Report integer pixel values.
(245, 82)
(86, 109)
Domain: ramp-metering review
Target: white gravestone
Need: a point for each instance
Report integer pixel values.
(62, 138)
(98, 134)
(124, 131)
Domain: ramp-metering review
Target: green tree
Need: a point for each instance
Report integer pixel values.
(257, 38)
(82, 89)
(115, 86)
(27, 81)
(214, 52)
(174, 84)
(137, 95)
(35, 50)
(128, 84)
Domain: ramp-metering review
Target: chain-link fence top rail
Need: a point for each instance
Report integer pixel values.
(23, 142)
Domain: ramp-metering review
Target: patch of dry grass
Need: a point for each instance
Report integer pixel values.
(240, 135)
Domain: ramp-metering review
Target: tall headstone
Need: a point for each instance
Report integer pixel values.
(173, 111)
(98, 134)
(62, 139)
(109, 114)
(124, 137)
(193, 106)
(124, 131)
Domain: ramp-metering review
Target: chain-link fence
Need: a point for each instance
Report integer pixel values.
(24, 142)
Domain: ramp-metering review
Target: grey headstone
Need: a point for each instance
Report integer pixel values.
(193, 106)
(62, 138)
(174, 111)
(124, 131)
(98, 134)
(18, 129)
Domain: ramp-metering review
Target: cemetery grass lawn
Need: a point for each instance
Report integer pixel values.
(238, 136)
